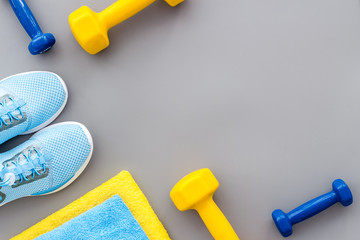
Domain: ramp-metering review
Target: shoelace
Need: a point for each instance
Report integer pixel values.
(8, 110)
(9, 172)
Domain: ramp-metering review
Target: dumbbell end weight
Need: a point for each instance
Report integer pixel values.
(41, 43)
(174, 3)
(282, 222)
(89, 30)
(343, 192)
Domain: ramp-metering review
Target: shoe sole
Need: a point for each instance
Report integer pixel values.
(57, 113)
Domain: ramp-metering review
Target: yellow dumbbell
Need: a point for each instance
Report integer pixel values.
(195, 191)
(90, 28)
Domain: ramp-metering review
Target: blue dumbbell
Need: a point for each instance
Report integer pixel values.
(40, 42)
(340, 193)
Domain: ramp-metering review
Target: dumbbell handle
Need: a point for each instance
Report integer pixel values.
(26, 17)
(215, 221)
(122, 10)
(312, 207)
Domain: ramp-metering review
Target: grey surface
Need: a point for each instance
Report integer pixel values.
(265, 93)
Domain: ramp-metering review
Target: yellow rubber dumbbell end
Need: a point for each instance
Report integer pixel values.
(193, 189)
(89, 30)
(174, 3)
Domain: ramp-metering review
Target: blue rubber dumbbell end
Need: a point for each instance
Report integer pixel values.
(285, 221)
(282, 222)
(41, 43)
(343, 192)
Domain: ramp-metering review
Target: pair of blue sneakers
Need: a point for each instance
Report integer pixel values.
(53, 157)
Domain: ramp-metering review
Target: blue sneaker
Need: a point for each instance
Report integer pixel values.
(48, 162)
(29, 102)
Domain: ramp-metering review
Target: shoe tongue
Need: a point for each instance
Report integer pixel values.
(11, 177)
(21, 161)
(4, 92)
(9, 102)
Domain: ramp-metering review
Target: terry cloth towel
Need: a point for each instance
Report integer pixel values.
(109, 220)
(123, 185)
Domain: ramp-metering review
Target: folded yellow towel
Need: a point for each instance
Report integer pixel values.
(123, 185)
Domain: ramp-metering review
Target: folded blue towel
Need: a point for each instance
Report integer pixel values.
(111, 220)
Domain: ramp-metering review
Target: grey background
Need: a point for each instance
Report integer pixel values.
(264, 93)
